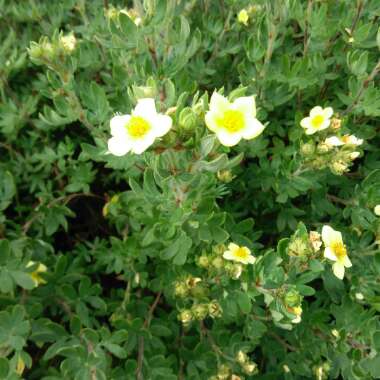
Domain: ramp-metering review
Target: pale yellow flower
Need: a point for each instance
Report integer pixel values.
(137, 132)
(243, 17)
(344, 140)
(68, 42)
(335, 250)
(240, 254)
(318, 119)
(35, 275)
(376, 210)
(232, 122)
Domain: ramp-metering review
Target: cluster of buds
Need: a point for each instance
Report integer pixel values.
(200, 311)
(248, 366)
(46, 51)
(217, 265)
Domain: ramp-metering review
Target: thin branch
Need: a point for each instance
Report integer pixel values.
(282, 341)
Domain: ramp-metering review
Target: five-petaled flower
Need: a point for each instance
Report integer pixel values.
(240, 254)
(318, 119)
(344, 140)
(233, 121)
(335, 250)
(136, 132)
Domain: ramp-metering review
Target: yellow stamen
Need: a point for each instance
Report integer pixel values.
(241, 253)
(317, 121)
(339, 250)
(137, 127)
(232, 120)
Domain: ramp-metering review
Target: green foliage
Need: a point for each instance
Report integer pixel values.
(114, 267)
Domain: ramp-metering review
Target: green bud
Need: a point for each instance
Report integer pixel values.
(200, 311)
(298, 247)
(180, 289)
(218, 263)
(241, 357)
(187, 119)
(292, 298)
(185, 316)
(250, 368)
(223, 372)
(214, 309)
(323, 148)
(203, 261)
(199, 291)
(338, 167)
(307, 149)
(225, 176)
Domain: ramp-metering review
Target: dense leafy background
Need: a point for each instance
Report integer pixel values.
(117, 234)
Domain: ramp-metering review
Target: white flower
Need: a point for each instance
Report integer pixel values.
(233, 121)
(68, 42)
(239, 254)
(243, 17)
(345, 140)
(376, 210)
(318, 119)
(136, 132)
(335, 250)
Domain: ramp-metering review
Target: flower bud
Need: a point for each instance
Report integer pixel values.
(338, 167)
(185, 316)
(187, 119)
(203, 261)
(218, 263)
(243, 17)
(323, 147)
(225, 176)
(241, 357)
(307, 149)
(250, 368)
(315, 240)
(192, 281)
(223, 372)
(214, 309)
(293, 298)
(234, 270)
(286, 368)
(335, 123)
(376, 210)
(68, 43)
(359, 296)
(298, 247)
(335, 333)
(200, 311)
(180, 289)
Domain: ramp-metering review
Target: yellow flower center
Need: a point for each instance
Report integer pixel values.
(137, 127)
(241, 253)
(232, 120)
(339, 250)
(317, 121)
(345, 138)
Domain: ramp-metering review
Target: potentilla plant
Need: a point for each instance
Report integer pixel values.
(189, 190)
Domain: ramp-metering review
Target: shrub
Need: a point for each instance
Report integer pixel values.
(189, 190)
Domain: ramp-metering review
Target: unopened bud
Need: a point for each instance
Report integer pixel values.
(307, 149)
(323, 147)
(68, 43)
(214, 309)
(359, 296)
(250, 368)
(293, 298)
(203, 261)
(376, 210)
(335, 333)
(180, 289)
(336, 123)
(200, 311)
(187, 118)
(354, 155)
(286, 368)
(241, 357)
(338, 167)
(218, 263)
(185, 317)
(315, 240)
(225, 176)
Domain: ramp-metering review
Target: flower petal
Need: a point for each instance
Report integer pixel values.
(211, 121)
(253, 128)
(141, 145)
(338, 270)
(118, 123)
(251, 259)
(328, 112)
(325, 124)
(334, 141)
(245, 104)
(228, 139)
(316, 111)
(311, 131)
(330, 236)
(347, 262)
(233, 247)
(118, 147)
(329, 254)
(219, 103)
(228, 255)
(162, 125)
(145, 108)
(306, 122)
